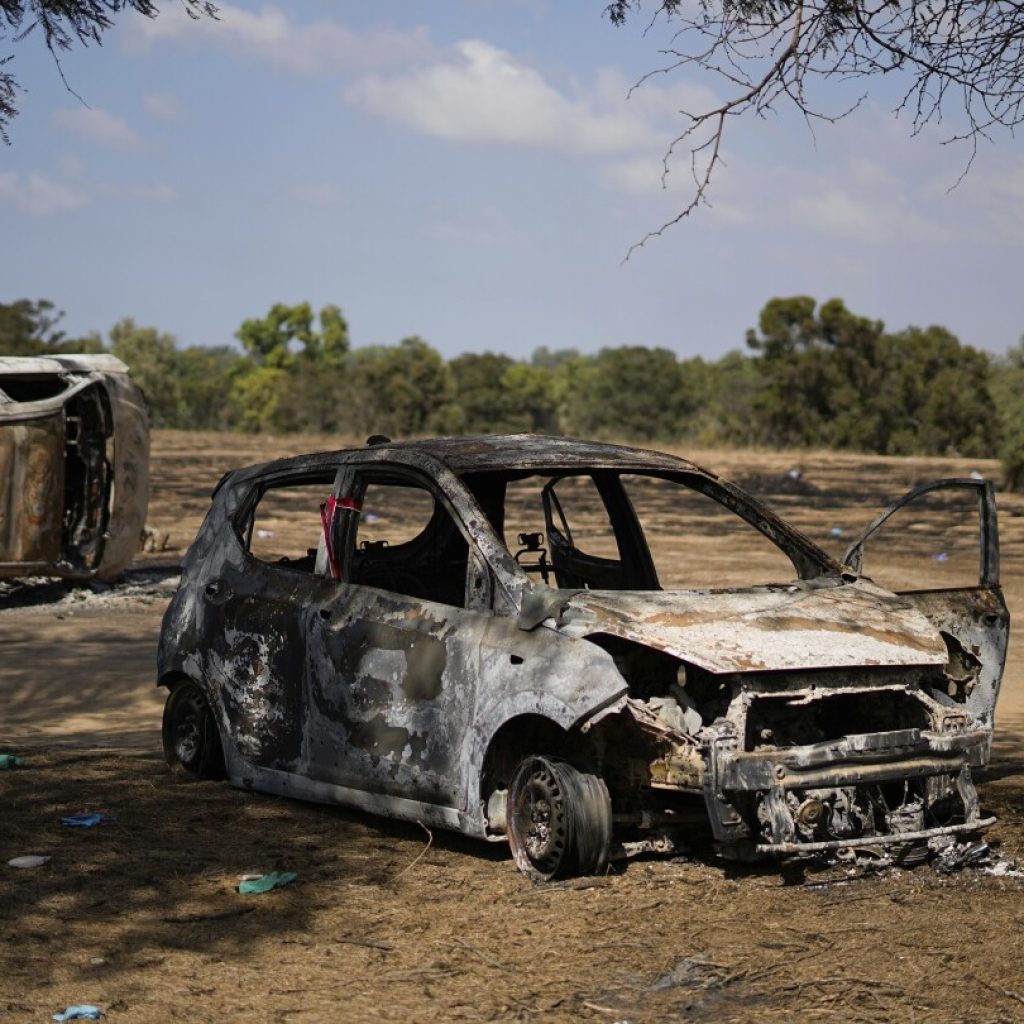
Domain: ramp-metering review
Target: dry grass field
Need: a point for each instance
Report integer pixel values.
(141, 916)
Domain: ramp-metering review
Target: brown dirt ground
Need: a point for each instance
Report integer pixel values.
(140, 915)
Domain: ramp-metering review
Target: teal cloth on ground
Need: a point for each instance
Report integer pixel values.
(11, 761)
(83, 1012)
(267, 882)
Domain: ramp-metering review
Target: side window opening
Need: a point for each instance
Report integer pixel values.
(285, 528)
(406, 542)
(557, 527)
(931, 543)
(30, 388)
(697, 542)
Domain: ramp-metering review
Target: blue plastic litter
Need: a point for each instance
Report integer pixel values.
(836, 531)
(83, 1012)
(82, 820)
(11, 761)
(941, 557)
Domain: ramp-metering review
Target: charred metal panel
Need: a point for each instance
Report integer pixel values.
(976, 623)
(31, 503)
(129, 500)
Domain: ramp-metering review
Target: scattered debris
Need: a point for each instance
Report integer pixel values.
(952, 856)
(83, 1012)
(82, 820)
(1004, 869)
(691, 972)
(11, 761)
(64, 597)
(836, 531)
(264, 883)
(940, 557)
(29, 861)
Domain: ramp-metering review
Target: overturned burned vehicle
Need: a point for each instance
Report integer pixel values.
(74, 466)
(503, 636)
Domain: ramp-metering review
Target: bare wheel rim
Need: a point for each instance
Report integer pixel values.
(190, 737)
(189, 729)
(540, 821)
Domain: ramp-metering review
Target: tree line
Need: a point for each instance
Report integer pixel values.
(811, 375)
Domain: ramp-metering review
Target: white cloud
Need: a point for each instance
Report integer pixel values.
(320, 47)
(36, 195)
(97, 125)
(161, 106)
(483, 94)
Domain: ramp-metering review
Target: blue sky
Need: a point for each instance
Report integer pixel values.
(471, 171)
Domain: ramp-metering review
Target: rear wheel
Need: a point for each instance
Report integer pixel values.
(190, 735)
(559, 819)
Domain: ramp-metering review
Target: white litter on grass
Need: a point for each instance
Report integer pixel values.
(1004, 869)
(31, 861)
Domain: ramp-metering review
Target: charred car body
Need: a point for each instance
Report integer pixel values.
(74, 459)
(546, 686)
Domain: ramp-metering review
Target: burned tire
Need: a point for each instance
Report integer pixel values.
(190, 734)
(559, 819)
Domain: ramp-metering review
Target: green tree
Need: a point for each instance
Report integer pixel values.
(255, 396)
(29, 328)
(152, 358)
(401, 390)
(632, 392)
(531, 400)
(1008, 397)
(206, 379)
(273, 340)
(479, 392)
(833, 379)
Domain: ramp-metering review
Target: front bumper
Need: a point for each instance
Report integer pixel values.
(735, 779)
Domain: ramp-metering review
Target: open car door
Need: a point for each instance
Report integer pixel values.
(973, 618)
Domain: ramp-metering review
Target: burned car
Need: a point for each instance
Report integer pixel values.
(74, 459)
(530, 639)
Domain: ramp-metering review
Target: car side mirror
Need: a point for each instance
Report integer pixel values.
(540, 603)
(854, 558)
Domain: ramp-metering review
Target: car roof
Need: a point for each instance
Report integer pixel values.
(488, 452)
(484, 453)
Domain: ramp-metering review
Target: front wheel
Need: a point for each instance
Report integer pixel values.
(190, 735)
(559, 819)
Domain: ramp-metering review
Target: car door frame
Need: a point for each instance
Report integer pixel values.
(975, 616)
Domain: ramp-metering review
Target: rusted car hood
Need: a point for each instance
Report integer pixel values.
(799, 626)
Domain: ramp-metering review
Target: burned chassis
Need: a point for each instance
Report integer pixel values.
(829, 713)
(74, 458)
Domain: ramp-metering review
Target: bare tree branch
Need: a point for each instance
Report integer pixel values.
(962, 57)
(64, 23)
